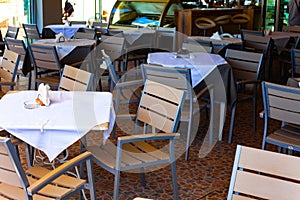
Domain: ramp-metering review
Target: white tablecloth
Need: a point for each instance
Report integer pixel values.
(68, 31)
(64, 48)
(201, 64)
(54, 128)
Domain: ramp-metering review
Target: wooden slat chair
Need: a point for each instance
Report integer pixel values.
(166, 39)
(114, 47)
(295, 61)
(282, 103)
(247, 69)
(12, 32)
(181, 79)
(260, 44)
(38, 182)
(8, 69)
(124, 88)
(74, 79)
(159, 107)
(47, 66)
(32, 32)
(261, 174)
(19, 47)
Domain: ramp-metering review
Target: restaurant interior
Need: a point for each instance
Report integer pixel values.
(149, 99)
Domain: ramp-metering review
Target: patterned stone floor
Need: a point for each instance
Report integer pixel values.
(207, 177)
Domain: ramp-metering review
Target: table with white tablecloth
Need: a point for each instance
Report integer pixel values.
(68, 31)
(54, 128)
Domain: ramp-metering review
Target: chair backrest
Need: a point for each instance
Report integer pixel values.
(89, 33)
(281, 102)
(74, 79)
(261, 174)
(113, 46)
(179, 78)
(31, 32)
(258, 43)
(12, 32)
(17, 46)
(44, 58)
(246, 65)
(197, 47)
(110, 66)
(78, 22)
(166, 39)
(9, 66)
(160, 106)
(100, 25)
(12, 173)
(295, 59)
(251, 32)
(295, 29)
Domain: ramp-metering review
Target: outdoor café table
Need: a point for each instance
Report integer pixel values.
(53, 128)
(50, 31)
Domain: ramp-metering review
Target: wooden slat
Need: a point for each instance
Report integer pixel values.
(6, 162)
(251, 66)
(170, 94)
(10, 177)
(160, 106)
(291, 95)
(239, 197)
(266, 187)
(153, 119)
(52, 190)
(286, 116)
(13, 192)
(270, 162)
(285, 103)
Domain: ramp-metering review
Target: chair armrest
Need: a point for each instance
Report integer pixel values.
(7, 83)
(125, 116)
(48, 178)
(248, 82)
(262, 114)
(149, 136)
(202, 92)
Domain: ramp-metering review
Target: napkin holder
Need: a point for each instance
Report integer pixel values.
(183, 53)
(216, 36)
(60, 38)
(43, 94)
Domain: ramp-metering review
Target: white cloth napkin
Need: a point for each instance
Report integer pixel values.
(216, 36)
(43, 93)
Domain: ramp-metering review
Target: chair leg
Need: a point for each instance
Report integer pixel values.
(174, 179)
(143, 178)
(254, 108)
(188, 139)
(116, 185)
(232, 122)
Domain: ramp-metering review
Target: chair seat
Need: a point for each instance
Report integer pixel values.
(287, 138)
(134, 154)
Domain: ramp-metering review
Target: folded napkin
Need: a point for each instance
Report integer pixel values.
(43, 94)
(60, 38)
(216, 36)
